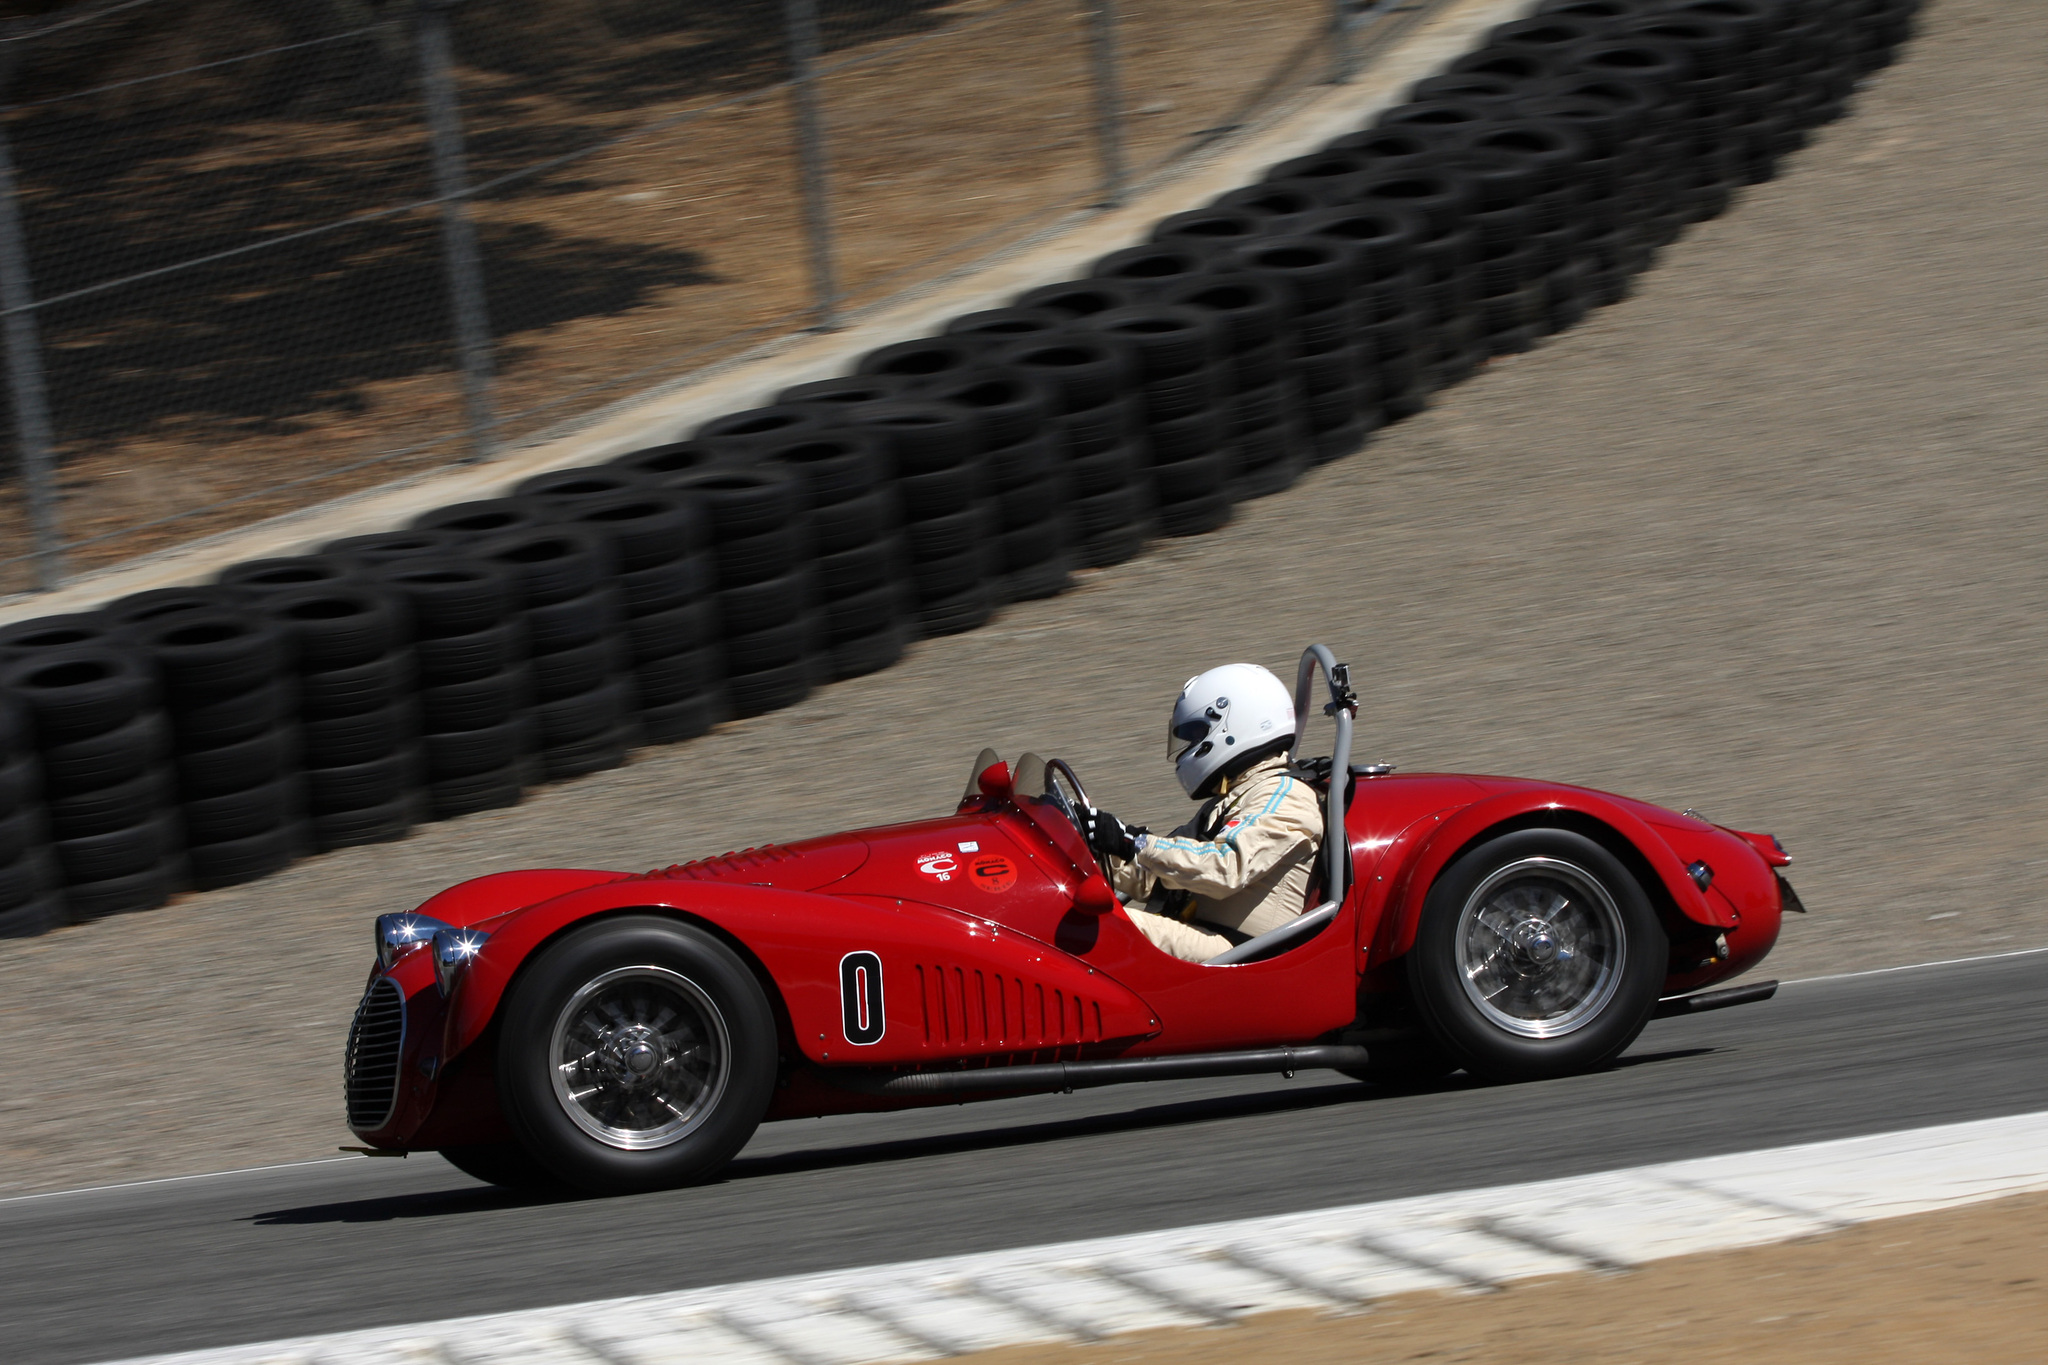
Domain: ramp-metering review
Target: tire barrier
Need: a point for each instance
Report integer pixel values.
(210, 734)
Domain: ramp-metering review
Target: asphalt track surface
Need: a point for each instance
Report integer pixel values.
(207, 1261)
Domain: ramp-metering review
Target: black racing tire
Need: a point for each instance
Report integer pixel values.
(939, 537)
(19, 832)
(1334, 443)
(1150, 267)
(1045, 578)
(588, 714)
(745, 434)
(647, 526)
(231, 719)
(954, 615)
(1104, 472)
(1112, 546)
(1027, 463)
(454, 659)
(772, 647)
(566, 672)
(1185, 438)
(1081, 371)
(122, 853)
(1029, 546)
(1601, 912)
(337, 627)
(1090, 431)
(359, 785)
(504, 1164)
(691, 626)
(81, 815)
(451, 598)
(486, 517)
(33, 917)
(567, 487)
(1184, 481)
(679, 967)
(1013, 406)
(1007, 326)
(746, 500)
(1250, 308)
(1082, 298)
(1030, 505)
(372, 553)
(335, 692)
(1102, 513)
(951, 575)
(676, 677)
(942, 492)
(656, 465)
(862, 614)
(766, 604)
(230, 862)
(770, 554)
(497, 789)
(477, 704)
(865, 567)
(836, 466)
(1164, 340)
(551, 563)
(1196, 516)
(139, 609)
(676, 721)
(770, 689)
(117, 755)
(143, 889)
(379, 824)
(581, 757)
(24, 875)
(1315, 271)
(846, 525)
(260, 578)
(1266, 478)
(573, 621)
(1184, 395)
(834, 397)
(239, 815)
(922, 358)
(359, 738)
(867, 654)
(465, 753)
(74, 693)
(680, 582)
(202, 655)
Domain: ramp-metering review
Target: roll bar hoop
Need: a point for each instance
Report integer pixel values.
(1342, 708)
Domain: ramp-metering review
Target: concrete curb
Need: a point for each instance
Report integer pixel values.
(669, 415)
(1331, 1260)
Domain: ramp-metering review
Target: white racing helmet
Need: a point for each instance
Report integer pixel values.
(1222, 715)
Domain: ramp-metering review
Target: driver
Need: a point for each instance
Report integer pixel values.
(1241, 867)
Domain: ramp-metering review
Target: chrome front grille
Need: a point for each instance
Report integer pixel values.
(370, 1069)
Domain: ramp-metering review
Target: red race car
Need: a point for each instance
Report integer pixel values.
(624, 1032)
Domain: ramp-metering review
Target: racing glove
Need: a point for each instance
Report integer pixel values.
(1111, 837)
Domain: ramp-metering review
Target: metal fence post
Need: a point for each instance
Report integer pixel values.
(800, 19)
(1343, 60)
(25, 359)
(1109, 98)
(458, 234)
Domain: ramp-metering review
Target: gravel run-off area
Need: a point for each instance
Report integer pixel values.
(1765, 540)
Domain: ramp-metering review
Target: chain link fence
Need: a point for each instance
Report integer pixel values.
(254, 256)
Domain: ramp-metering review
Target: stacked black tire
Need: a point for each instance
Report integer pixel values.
(1261, 412)
(858, 584)
(1098, 437)
(579, 665)
(951, 518)
(469, 650)
(232, 701)
(108, 794)
(358, 707)
(772, 635)
(1178, 356)
(1023, 471)
(30, 901)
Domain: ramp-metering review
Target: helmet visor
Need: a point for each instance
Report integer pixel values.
(1179, 737)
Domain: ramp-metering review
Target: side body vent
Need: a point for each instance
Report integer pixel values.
(974, 1010)
(370, 1069)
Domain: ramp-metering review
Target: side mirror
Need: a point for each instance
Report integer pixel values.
(1095, 896)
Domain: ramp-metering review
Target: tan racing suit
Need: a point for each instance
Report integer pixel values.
(1244, 861)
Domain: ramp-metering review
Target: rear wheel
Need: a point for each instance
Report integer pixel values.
(1538, 955)
(638, 1053)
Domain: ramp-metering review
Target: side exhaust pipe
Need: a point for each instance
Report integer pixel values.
(1087, 1075)
(1715, 1000)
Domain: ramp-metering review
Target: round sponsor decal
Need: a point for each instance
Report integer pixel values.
(939, 865)
(993, 873)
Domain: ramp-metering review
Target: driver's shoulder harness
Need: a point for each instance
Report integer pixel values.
(1242, 864)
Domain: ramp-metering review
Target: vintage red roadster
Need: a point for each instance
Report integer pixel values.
(623, 1032)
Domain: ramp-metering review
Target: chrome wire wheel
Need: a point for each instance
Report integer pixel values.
(1540, 947)
(640, 1057)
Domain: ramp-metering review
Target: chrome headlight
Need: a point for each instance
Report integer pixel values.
(453, 948)
(399, 934)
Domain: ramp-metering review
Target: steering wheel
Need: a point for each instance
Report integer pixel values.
(1055, 769)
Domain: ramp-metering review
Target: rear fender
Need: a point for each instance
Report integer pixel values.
(947, 985)
(1476, 821)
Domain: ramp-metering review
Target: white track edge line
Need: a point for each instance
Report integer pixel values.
(1915, 966)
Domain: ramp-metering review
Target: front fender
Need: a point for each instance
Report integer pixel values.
(948, 985)
(1397, 931)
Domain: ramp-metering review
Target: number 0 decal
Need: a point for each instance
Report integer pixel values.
(860, 998)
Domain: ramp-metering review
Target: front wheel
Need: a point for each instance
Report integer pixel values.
(637, 1053)
(1538, 955)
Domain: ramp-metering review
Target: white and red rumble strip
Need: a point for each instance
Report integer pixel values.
(1331, 1260)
